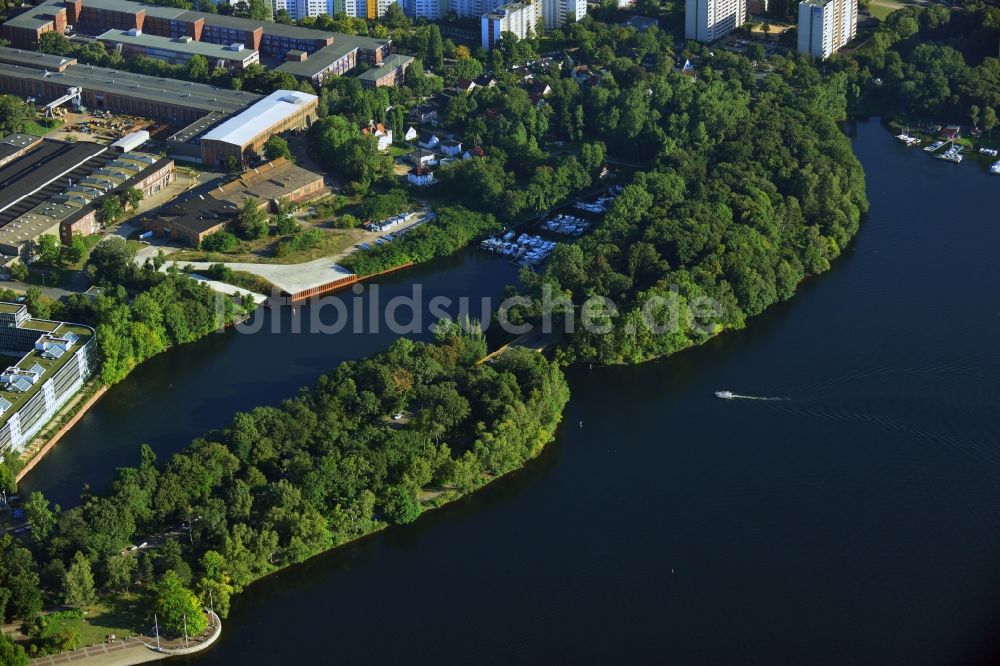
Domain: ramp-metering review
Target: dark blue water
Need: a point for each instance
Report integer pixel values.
(857, 520)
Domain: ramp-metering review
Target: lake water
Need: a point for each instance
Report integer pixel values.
(855, 520)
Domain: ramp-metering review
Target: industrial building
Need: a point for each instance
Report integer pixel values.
(191, 220)
(25, 30)
(247, 132)
(178, 50)
(55, 189)
(174, 35)
(35, 59)
(56, 358)
(273, 184)
(94, 17)
(335, 59)
(392, 72)
(825, 26)
(15, 146)
(121, 92)
(709, 20)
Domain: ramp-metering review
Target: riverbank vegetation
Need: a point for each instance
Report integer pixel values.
(345, 458)
(751, 186)
(140, 312)
(454, 228)
(931, 63)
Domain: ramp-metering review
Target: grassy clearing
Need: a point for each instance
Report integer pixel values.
(123, 616)
(262, 251)
(38, 129)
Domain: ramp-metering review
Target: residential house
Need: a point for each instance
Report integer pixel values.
(379, 131)
(421, 157)
(464, 86)
(951, 132)
(425, 114)
(420, 176)
(485, 81)
(473, 152)
(429, 141)
(410, 135)
(538, 91)
(451, 147)
(585, 75)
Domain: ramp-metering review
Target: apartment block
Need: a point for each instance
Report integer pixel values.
(825, 26)
(709, 20)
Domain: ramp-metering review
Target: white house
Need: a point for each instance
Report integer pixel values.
(383, 135)
(420, 176)
(429, 141)
(451, 147)
(421, 157)
(411, 134)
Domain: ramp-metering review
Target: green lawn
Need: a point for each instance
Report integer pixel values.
(124, 616)
(881, 11)
(399, 151)
(36, 128)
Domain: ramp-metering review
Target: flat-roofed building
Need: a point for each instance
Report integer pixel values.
(519, 18)
(14, 146)
(557, 13)
(709, 20)
(126, 92)
(246, 132)
(26, 29)
(179, 50)
(192, 220)
(825, 26)
(391, 72)
(336, 59)
(60, 187)
(276, 183)
(93, 17)
(35, 59)
(55, 359)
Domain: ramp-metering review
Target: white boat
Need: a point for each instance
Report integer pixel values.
(953, 154)
(995, 168)
(725, 395)
(934, 146)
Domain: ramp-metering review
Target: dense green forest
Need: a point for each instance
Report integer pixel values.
(933, 63)
(372, 443)
(751, 184)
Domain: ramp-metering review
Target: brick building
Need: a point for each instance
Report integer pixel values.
(247, 132)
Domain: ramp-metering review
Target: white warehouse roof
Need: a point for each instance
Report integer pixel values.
(257, 119)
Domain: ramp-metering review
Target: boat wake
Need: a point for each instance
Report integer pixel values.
(729, 395)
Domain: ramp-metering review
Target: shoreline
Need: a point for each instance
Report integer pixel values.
(48, 444)
(138, 652)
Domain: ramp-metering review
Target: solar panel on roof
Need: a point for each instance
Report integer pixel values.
(4, 405)
(21, 384)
